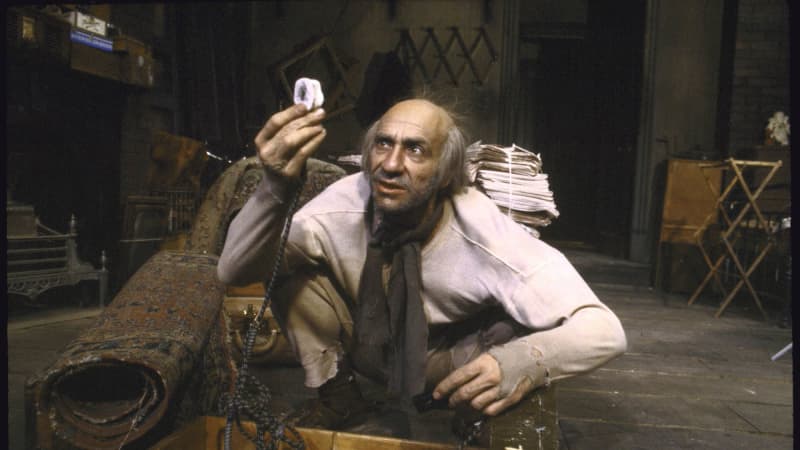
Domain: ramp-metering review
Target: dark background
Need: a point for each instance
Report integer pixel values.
(606, 91)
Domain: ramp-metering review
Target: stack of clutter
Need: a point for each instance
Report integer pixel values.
(512, 177)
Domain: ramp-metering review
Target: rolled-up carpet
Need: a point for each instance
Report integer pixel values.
(160, 354)
(155, 355)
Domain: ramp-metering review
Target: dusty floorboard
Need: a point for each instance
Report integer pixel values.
(687, 381)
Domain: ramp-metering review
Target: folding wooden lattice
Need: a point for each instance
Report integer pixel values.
(454, 48)
(728, 235)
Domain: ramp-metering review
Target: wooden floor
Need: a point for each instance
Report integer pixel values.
(688, 380)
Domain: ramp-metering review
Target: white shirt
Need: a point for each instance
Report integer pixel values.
(477, 258)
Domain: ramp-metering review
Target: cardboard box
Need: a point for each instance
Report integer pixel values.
(95, 62)
(137, 66)
(138, 70)
(127, 44)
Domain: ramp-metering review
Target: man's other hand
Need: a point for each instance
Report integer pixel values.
(289, 138)
(477, 384)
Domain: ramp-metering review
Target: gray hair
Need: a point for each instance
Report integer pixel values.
(451, 174)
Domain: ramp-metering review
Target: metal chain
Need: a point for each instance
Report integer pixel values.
(258, 407)
(254, 402)
(471, 434)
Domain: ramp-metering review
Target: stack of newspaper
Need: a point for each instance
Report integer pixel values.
(513, 178)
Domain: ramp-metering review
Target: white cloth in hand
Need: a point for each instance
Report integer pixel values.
(308, 91)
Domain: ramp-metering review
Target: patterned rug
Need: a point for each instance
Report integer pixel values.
(160, 354)
(155, 358)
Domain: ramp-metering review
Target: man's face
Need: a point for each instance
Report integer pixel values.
(404, 156)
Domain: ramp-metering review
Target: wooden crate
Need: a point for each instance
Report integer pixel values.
(532, 423)
(137, 65)
(208, 433)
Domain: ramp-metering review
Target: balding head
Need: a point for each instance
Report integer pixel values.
(433, 117)
(446, 141)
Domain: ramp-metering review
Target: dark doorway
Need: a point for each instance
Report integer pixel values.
(62, 141)
(579, 98)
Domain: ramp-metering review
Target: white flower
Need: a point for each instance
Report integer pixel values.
(779, 129)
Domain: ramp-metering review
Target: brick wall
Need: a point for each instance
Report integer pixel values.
(760, 72)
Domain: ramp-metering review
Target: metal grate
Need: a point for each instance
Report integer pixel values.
(183, 205)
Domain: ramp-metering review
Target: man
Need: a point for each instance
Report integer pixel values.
(408, 277)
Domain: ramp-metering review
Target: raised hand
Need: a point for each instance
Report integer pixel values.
(289, 138)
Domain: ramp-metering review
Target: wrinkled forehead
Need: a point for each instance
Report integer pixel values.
(416, 118)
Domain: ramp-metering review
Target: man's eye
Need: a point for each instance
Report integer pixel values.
(383, 143)
(416, 150)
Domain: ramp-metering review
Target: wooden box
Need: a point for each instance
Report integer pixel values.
(137, 66)
(532, 423)
(95, 62)
(127, 44)
(138, 70)
(208, 433)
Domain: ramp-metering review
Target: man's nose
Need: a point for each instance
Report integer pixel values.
(394, 161)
